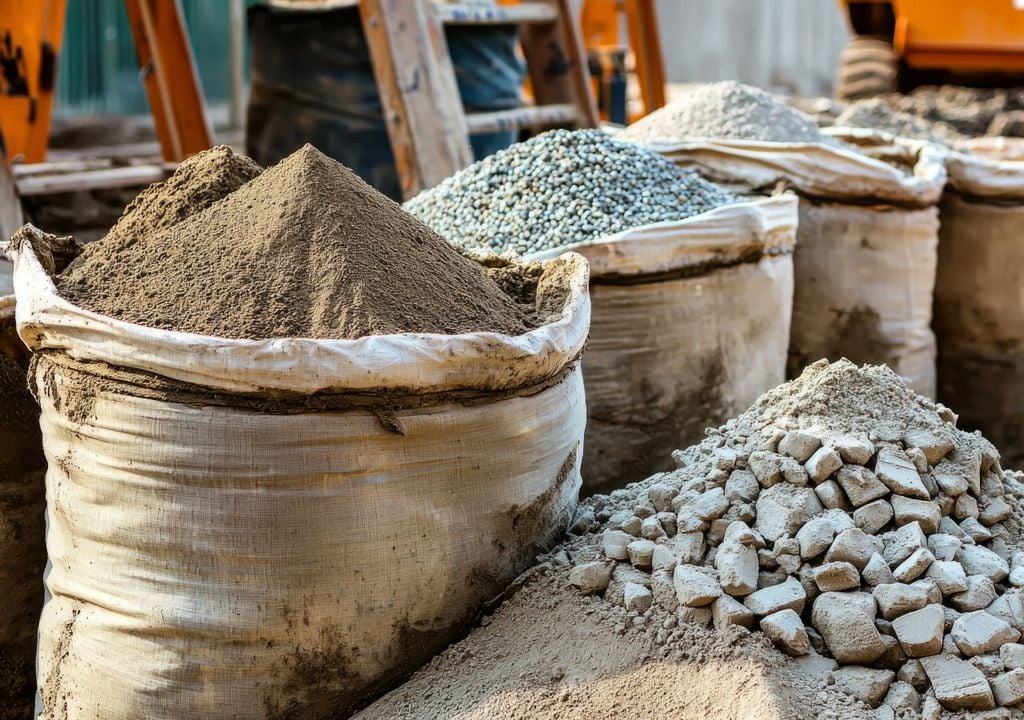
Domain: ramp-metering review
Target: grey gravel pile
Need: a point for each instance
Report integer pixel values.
(728, 110)
(847, 519)
(559, 189)
(877, 114)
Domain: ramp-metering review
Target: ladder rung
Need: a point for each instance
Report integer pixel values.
(92, 179)
(525, 117)
(535, 13)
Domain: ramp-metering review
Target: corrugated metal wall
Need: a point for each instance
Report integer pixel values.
(98, 70)
(789, 45)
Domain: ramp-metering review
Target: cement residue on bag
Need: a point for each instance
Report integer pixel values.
(22, 503)
(979, 317)
(845, 517)
(332, 276)
(267, 527)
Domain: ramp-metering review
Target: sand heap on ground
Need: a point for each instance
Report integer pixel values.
(847, 519)
(303, 249)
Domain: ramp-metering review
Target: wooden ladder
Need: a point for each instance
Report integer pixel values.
(427, 124)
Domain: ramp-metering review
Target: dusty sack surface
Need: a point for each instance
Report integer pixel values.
(22, 550)
(305, 249)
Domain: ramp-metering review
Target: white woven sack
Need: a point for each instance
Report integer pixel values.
(217, 560)
(690, 326)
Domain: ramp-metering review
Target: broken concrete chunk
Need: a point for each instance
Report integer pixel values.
(896, 599)
(975, 530)
(661, 497)
(615, 542)
(912, 673)
(822, 464)
(786, 630)
(793, 472)
(990, 665)
(700, 616)
(995, 511)
(651, 529)
(727, 611)
(877, 571)
(737, 567)
(853, 546)
(978, 560)
(815, 537)
(1012, 655)
(948, 575)
(980, 593)
(742, 486)
(848, 631)
(1008, 688)
(874, 516)
(789, 594)
(836, 576)
(917, 457)
(900, 544)
(664, 590)
(724, 459)
(831, 495)
(591, 578)
(632, 526)
(897, 471)
(766, 466)
(934, 594)
(866, 684)
(860, 485)
(920, 632)
(668, 523)
(799, 445)
(902, 698)
(709, 505)
(948, 526)
(1008, 607)
(907, 510)
(640, 553)
(944, 547)
(783, 509)
(695, 588)
(935, 446)
(914, 566)
(636, 597)
(854, 449)
(952, 485)
(686, 548)
(965, 507)
(957, 684)
(977, 633)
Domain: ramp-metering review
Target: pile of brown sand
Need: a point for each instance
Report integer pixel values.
(550, 653)
(303, 249)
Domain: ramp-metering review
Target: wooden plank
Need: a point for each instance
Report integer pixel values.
(646, 45)
(92, 179)
(545, 116)
(170, 77)
(557, 63)
(521, 14)
(422, 108)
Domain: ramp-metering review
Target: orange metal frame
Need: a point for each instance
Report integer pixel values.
(30, 37)
(983, 35)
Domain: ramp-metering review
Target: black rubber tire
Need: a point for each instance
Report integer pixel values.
(868, 67)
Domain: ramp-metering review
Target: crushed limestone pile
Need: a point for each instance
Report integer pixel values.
(843, 516)
(877, 114)
(728, 110)
(303, 249)
(561, 188)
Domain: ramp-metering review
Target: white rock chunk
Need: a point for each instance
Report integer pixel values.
(786, 630)
(636, 597)
(728, 611)
(914, 566)
(957, 684)
(836, 576)
(944, 547)
(978, 633)
(948, 575)
(860, 485)
(920, 632)
(799, 445)
(1008, 688)
(896, 470)
(815, 537)
(847, 629)
(822, 464)
(695, 588)
(898, 599)
(866, 684)
(615, 543)
(853, 448)
(769, 600)
(877, 572)
(853, 546)
(874, 516)
(978, 560)
(591, 578)
(908, 510)
(783, 509)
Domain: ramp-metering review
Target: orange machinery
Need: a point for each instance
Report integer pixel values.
(900, 44)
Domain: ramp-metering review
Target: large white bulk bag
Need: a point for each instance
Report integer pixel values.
(979, 293)
(856, 215)
(285, 528)
(690, 326)
(22, 550)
